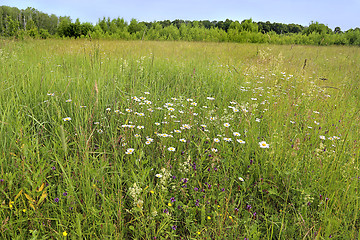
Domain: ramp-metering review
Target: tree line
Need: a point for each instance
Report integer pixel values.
(20, 24)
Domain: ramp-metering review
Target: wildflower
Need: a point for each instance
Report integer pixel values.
(64, 233)
(257, 120)
(177, 131)
(56, 200)
(158, 175)
(67, 119)
(182, 140)
(171, 149)
(108, 109)
(209, 218)
(263, 144)
(214, 149)
(240, 141)
(216, 140)
(230, 217)
(227, 139)
(140, 127)
(172, 199)
(148, 142)
(241, 179)
(226, 124)
(137, 135)
(236, 134)
(146, 93)
(129, 151)
(322, 137)
(193, 103)
(169, 204)
(157, 124)
(210, 98)
(152, 192)
(166, 210)
(69, 100)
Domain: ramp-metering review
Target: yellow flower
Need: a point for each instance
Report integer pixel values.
(152, 192)
(199, 233)
(230, 217)
(65, 233)
(209, 217)
(24, 210)
(169, 204)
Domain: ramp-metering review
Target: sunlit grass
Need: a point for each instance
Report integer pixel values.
(162, 140)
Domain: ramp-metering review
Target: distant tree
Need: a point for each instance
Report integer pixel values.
(63, 29)
(337, 30)
(12, 26)
(249, 26)
(316, 27)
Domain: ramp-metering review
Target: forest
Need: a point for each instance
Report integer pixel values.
(31, 23)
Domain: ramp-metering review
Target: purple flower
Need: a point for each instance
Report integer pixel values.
(223, 189)
(254, 214)
(248, 207)
(174, 177)
(194, 166)
(166, 210)
(56, 200)
(65, 194)
(236, 209)
(197, 202)
(53, 167)
(172, 199)
(174, 227)
(1, 180)
(196, 189)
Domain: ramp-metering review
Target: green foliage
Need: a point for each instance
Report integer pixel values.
(30, 21)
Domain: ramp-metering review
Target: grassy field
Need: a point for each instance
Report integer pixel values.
(178, 140)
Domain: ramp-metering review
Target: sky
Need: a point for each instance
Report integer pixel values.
(333, 13)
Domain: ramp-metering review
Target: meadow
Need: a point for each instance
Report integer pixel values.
(178, 140)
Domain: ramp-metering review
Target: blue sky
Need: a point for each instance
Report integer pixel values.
(345, 14)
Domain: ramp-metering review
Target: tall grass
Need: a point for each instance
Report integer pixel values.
(87, 131)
